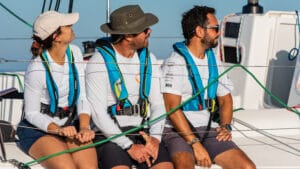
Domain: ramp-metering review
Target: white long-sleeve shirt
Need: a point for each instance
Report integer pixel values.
(36, 91)
(101, 96)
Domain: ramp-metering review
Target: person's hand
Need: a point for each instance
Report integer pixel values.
(68, 131)
(223, 134)
(139, 153)
(152, 144)
(85, 135)
(201, 156)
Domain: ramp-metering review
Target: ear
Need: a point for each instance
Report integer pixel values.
(54, 36)
(199, 32)
(128, 37)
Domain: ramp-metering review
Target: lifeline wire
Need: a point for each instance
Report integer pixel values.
(163, 115)
(268, 135)
(167, 133)
(265, 134)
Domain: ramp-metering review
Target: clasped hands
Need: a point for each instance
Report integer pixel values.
(145, 153)
(84, 135)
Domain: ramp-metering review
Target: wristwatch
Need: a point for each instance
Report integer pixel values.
(195, 140)
(227, 126)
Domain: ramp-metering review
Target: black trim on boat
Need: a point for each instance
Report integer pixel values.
(11, 93)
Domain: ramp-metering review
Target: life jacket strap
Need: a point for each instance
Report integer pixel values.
(133, 110)
(61, 113)
(212, 105)
(128, 109)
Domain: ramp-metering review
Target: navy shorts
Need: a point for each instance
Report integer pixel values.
(110, 154)
(175, 143)
(28, 134)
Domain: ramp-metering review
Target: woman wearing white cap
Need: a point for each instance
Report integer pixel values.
(57, 113)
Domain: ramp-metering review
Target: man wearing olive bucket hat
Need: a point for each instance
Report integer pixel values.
(125, 94)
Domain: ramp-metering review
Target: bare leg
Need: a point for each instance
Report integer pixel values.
(234, 159)
(83, 159)
(183, 160)
(47, 145)
(163, 165)
(121, 167)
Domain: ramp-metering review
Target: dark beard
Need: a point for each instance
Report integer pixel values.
(209, 42)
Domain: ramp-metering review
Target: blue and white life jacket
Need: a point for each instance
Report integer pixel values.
(74, 85)
(117, 82)
(199, 103)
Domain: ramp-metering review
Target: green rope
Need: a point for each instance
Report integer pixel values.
(18, 78)
(164, 115)
(15, 15)
(238, 109)
(266, 90)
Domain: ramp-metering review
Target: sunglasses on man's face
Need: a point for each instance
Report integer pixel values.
(214, 27)
(145, 31)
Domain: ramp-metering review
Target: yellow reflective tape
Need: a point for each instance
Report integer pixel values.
(117, 90)
(213, 104)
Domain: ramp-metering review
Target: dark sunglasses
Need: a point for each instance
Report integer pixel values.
(145, 31)
(215, 27)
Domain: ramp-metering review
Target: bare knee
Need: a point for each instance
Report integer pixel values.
(163, 165)
(250, 165)
(246, 162)
(88, 166)
(61, 164)
(234, 159)
(183, 160)
(121, 167)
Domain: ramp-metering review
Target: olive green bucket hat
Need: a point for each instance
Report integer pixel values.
(129, 19)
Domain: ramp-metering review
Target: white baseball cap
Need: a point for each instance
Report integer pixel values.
(48, 22)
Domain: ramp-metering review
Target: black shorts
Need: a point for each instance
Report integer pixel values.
(110, 154)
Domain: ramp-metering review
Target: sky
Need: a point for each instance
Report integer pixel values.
(15, 36)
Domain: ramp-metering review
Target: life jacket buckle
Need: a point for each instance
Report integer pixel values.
(200, 107)
(212, 105)
(209, 104)
(133, 110)
(117, 109)
(61, 112)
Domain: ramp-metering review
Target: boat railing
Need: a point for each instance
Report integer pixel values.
(11, 103)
